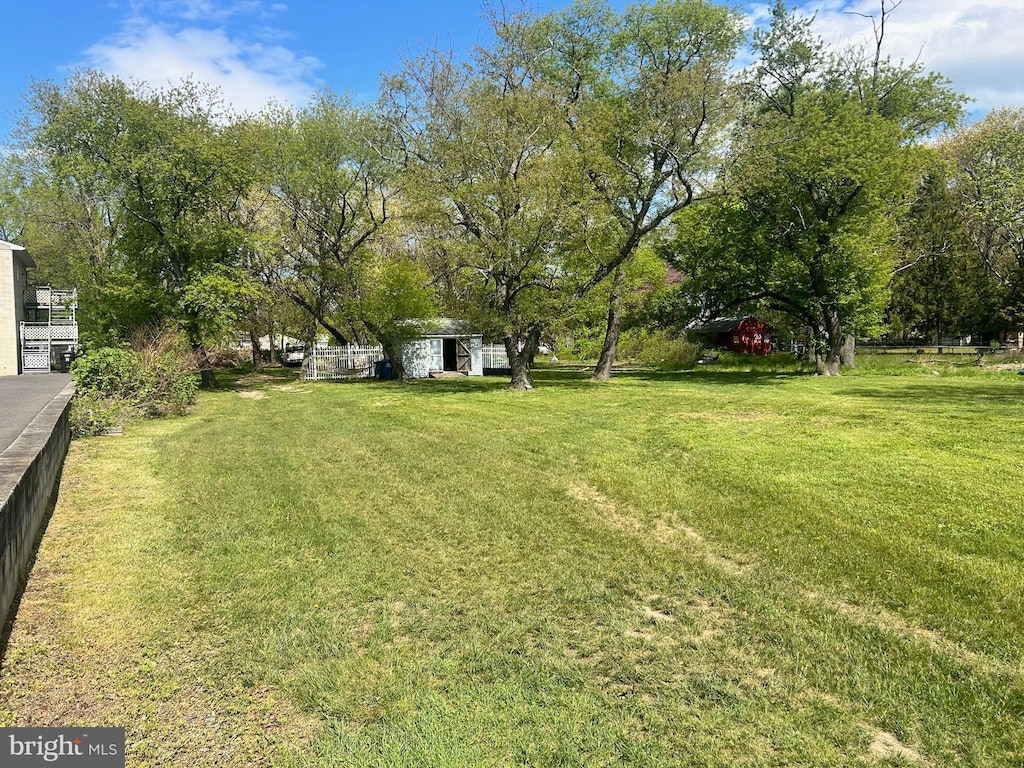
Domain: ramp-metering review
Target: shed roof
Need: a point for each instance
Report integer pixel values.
(444, 326)
(721, 325)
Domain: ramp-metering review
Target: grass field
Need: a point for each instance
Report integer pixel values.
(708, 568)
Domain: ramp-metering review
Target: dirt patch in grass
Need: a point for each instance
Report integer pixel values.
(657, 616)
(674, 534)
(252, 394)
(295, 389)
(885, 746)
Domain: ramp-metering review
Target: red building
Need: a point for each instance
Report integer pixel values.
(747, 335)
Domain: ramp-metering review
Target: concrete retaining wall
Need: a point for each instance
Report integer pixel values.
(29, 471)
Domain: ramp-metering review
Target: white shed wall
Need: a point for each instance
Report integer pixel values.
(421, 356)
(416, 358)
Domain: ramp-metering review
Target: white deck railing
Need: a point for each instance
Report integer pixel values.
(44, 295)
(47, 332)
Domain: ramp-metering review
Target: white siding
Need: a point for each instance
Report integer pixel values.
(416, 358)
(421, 356)
(10, 301)
(476, 366)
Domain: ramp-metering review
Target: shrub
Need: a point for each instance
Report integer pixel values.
(156, 377)
(108, 372)
(92, 414)
(169, 381)
(659, 348)
(638, 345)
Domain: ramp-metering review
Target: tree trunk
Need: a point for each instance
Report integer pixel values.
(273, 356)
(392, 347)
(603, 371)
(393, 352)
(254, 340)
(827, 364)
(846, 353)
(828, 345)
(520, 360)
(207, 374)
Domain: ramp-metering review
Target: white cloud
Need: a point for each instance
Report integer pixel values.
(248, 73)
(977, 45)
(210, 10)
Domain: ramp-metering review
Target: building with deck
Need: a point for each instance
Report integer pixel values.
(49, 334)
(38, 324)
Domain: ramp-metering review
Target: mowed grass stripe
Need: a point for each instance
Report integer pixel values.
(696, 569)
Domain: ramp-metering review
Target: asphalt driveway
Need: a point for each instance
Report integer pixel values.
(21, 400)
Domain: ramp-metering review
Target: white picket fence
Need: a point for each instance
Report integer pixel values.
(347, 362)
(356, 362)
(495, 356)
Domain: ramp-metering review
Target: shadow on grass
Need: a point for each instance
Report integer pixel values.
(966, 392)
(578, 379)
(236, 379)
(573, 377)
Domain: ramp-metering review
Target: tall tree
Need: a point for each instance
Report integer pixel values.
(825, 162)
(12, 200)
(496, 203)
(169, 172)
(646, 95)
(988, 158)
(940, 285)
(333, 196)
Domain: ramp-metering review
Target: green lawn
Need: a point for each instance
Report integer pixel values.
(713, 568)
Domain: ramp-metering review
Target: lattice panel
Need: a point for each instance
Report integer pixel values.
(64, 332)
(37, 295)
(35, 332)
(35, 361)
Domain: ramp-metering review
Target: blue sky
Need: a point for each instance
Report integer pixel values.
(258, 50)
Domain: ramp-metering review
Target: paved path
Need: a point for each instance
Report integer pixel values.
(21, 400)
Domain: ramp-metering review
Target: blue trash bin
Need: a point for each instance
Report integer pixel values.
(384, 370)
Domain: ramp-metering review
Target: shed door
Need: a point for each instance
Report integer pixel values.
(464, 355)
(436, 359)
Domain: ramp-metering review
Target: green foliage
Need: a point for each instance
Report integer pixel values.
(825, 165)
(220, 300)
(156, 179)
(324, 229)
(644, 346)
(399, 291)
(988, 182)
(108, 372)
(661, 348)
(13, 216)
(941, 286)
(154, 378)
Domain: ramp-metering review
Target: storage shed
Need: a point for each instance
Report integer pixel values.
(747, 335)
(443, 345)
